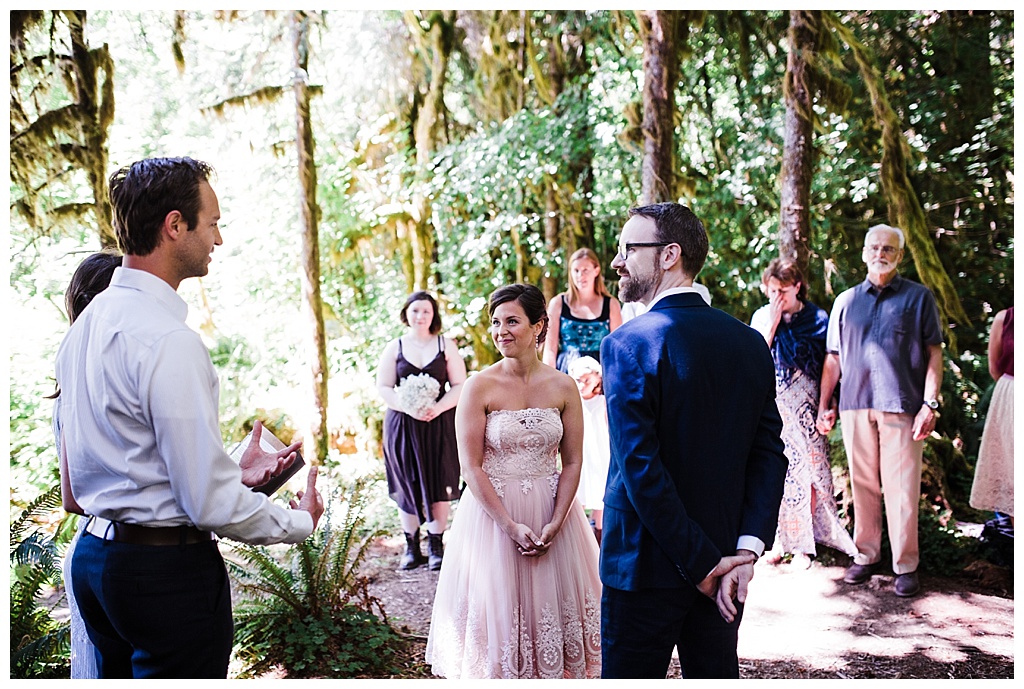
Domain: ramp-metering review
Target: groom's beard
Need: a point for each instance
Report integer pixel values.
(639, 287)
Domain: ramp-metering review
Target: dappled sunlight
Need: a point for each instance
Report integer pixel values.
(828, 625)
(780, 596)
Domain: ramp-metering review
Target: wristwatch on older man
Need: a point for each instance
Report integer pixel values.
(932, 404)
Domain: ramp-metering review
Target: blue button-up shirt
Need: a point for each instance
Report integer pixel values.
(882, 337)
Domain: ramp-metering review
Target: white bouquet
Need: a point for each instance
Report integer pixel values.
(417, 393)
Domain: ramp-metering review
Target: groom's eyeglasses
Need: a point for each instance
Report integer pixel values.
(626, 248)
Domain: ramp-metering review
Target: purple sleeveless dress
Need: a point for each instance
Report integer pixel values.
(420, 457)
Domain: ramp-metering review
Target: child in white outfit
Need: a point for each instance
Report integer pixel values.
(586, 371)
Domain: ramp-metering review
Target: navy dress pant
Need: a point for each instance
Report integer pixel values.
(640, 628)
(154, 611)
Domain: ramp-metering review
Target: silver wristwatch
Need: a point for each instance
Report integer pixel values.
(932, 404)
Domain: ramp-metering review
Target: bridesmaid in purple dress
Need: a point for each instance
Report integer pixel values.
(420, 455)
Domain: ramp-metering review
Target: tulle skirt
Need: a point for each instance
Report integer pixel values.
(83, 653)
(499, 614)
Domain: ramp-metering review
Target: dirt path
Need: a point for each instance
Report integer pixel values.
(809, 624)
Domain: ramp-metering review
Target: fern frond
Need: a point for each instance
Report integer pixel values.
(42, 649)
(40, 507)
(266, 575)
(39, 551)
(311, 624)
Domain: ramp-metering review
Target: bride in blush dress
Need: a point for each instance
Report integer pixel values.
(519, 593)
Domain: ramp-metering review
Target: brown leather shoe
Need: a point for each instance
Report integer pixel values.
(907, 585)
(858, 574)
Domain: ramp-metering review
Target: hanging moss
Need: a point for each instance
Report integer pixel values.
(904, 207)
(47, 145)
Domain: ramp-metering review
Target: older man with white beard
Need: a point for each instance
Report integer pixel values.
(885, 343)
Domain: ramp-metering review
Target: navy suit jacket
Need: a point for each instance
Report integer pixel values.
(696, 452)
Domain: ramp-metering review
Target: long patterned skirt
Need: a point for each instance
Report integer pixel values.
(808, 513)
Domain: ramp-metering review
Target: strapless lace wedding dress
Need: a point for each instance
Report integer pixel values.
(498, 614)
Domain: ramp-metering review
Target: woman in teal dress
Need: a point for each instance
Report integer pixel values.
(582, 316)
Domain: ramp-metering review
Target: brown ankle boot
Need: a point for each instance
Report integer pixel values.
(413, 556)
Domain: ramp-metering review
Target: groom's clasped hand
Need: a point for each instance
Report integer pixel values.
(727, 582)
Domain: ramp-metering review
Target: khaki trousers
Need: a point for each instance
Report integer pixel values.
(884, 458)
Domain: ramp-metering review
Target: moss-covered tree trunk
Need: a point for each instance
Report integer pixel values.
(905, 209)
(798, 140)
(434, 33)
(69, 137)
(550, 284)
(96, 111)
(309, 214)
(661, 73)
(568, 223)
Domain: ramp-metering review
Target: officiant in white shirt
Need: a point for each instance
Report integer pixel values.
(145, 456)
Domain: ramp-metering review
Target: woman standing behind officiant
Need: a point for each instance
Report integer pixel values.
(420, 454)
(90, 278)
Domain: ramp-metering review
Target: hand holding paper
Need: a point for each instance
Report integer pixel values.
(265, 462)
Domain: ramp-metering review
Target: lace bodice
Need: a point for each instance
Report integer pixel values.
(521, 444)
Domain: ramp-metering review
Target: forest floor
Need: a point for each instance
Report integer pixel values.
(804, 624)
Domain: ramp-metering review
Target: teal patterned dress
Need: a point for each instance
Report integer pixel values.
(578, 337)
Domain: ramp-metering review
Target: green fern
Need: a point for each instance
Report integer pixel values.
(36, 511)
(40, 646)
(311, 612)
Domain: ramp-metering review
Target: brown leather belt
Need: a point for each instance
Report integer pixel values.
(135, 534)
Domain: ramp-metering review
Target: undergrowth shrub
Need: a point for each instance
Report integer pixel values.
(307, 609)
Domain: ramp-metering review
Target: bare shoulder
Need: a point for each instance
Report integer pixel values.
(481, 383)
(561, 383)
(390, 351)
(450, 347)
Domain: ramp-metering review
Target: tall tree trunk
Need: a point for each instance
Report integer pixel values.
(661, 74)
(567, 222)
(436, 39)
(309, 212)
(552, 239)
(961, 45)
(798, 142)
(552, 216)
(96, 112)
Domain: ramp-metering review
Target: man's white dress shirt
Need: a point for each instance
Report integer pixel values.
(139, 406)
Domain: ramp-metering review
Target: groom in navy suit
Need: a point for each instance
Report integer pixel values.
(697, 463)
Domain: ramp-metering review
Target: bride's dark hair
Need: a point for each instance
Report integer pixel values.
(528, 297)
(91, 277)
